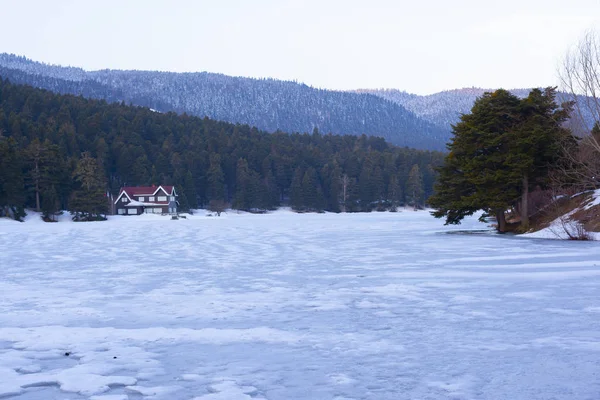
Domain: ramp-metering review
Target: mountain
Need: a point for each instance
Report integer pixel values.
(444, 109)
(268, 104)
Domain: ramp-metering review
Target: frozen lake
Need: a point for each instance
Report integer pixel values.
(286, 306)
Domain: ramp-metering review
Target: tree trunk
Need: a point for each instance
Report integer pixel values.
(525, 203)
(344, 180)
(501, 221)
(37, 187)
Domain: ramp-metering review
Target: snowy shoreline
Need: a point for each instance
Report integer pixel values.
(33, 218)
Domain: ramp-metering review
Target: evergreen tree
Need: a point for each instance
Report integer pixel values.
(216, 179)
(268, 192)
(50, 204)
(477, 153)
(35, 153)
(394, 193)
(534, 143)
(182, 200)
(498, 150)
(12, 184)
(414, 187)
(89, 201)
(297, 200)
(189, 191)
(142, 170)
(332, 188)
(312, 192)
(46, 172)
(365, 188)
(247, 193)
(377, 188)
(350, 191)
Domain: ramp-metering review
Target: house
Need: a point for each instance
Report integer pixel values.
(146, 200)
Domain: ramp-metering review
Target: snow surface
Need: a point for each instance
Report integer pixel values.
(595, 200)
(285, 306)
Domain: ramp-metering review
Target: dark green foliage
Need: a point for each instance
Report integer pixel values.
(12, 183)
(50, 204)
(89, 200)
(205, 159)
(216, 179)
(371, 184)
(296, 192)
(188, 194)
(248, 194)
(46, 173)
(312, 192)
(414, 188)
(394, 193)
(504, 147)
(332, 190)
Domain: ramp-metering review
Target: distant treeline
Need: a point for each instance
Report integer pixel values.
(57, 149)
(268, 104)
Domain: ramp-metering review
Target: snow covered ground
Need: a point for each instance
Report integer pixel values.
(561, 227)
(286, 306)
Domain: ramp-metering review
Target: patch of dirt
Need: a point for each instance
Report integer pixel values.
(575, 206)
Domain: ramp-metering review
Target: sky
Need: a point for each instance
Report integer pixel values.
(419, 46)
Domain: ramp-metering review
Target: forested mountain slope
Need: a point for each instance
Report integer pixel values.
(444, 109)
(43, 136)
(268, 104)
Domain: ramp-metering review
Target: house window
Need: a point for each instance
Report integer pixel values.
(151, 198)
(124, 199)
(162, 198)
(132, 211)
(121, 211)
(141, 198)
(172, 198)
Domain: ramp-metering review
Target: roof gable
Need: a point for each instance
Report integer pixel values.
(131, 191)
(164, 189)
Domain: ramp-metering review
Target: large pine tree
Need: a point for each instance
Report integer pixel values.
(46, 173)
(535, 143)
(498, 151)
(89, 201)
(414, 188)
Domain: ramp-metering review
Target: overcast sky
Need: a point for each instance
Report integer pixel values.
(418, 46)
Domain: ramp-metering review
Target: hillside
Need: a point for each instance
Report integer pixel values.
(444, 109)
(268, 104)
(205, 159)
(573, 217)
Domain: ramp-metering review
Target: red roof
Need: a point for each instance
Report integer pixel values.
(132, 191)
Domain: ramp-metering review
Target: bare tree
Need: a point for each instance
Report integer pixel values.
(35, 151)
(217, 206)
(565, 225)
(580, 80)
(345, 182)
